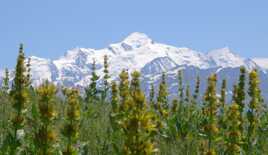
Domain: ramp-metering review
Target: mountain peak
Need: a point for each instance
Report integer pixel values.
(137, 36)
(221, 51)
(263, 62)
(137, 39)
(224, 57)
(77, 52)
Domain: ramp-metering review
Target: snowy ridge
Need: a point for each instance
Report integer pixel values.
(262, 62)
(225, 58)
(139, 52)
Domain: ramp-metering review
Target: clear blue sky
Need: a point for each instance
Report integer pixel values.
(50, 27)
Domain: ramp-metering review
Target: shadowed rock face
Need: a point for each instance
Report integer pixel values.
(139, 52)
(190, 74)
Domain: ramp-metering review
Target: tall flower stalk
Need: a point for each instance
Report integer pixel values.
(210, 112)
(71, 127)
(45, 136)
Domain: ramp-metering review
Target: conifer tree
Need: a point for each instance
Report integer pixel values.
(5, 83)
(210, 111)
(20, 99)
(71, 128)
(92, 91)
(233, 136)
(45, 136)
(106, 78)
(253, 113)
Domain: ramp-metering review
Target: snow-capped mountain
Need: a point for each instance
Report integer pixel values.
(43, 69)
(139, 52)
(263, 62)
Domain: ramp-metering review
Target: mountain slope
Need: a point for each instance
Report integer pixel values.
(134, 53)
(139, 52)
(262, 62)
